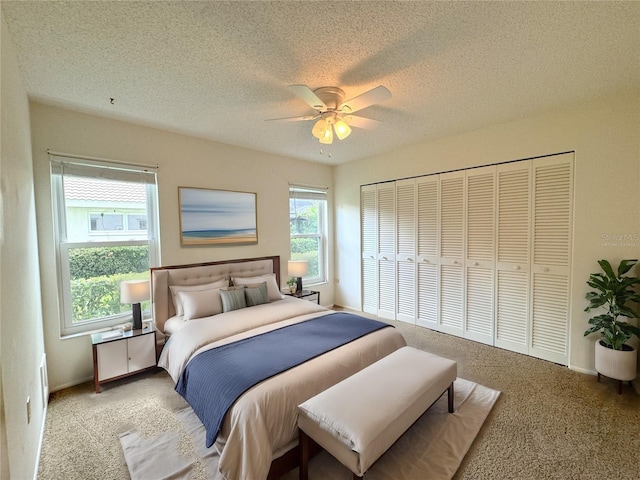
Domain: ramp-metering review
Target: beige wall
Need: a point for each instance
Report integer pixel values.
(183, 161)
(21, 338)
(605, 135)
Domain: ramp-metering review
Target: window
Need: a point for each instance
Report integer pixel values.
(308, 227)
(115, 222)
(106, 230)
(106, 222)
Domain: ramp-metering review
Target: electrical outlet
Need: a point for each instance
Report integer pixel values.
(28, 410)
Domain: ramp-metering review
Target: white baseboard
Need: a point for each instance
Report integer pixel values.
(70, 384)
(42, 427)
(582, 370)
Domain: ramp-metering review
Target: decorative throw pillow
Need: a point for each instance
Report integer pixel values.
(272, 287)
(177, 303)
(256, 294)
(232, 299)
(200, 303)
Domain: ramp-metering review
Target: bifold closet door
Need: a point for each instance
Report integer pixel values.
(386, 223)
(551, 265)
(480, 241)
(483, 254)
(406, 250)
(452, 252)
(428, 250)
(512, 256)
(369, 236)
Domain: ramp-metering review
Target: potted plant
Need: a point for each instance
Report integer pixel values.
(292, 283)
(614, 292)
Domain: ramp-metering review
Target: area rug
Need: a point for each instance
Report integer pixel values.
(432, 448)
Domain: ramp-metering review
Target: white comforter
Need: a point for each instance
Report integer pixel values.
(262, 423)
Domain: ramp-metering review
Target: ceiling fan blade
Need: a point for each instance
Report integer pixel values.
(375, 95)
(292, 119)
(361, 122)
(306, 94)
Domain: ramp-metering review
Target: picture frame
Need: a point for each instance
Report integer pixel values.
(217, 217)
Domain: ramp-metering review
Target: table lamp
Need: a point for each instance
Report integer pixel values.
(298, 269)
(134, 292)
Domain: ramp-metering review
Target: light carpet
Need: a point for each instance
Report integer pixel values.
(432, 448)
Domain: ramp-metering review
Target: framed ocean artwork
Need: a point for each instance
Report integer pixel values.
(217, 217)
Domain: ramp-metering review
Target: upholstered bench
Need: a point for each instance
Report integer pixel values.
(360, 418)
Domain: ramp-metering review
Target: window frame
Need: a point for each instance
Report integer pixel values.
(317, 194)
(96, 169)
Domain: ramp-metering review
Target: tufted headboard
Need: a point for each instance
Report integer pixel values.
(196, 274)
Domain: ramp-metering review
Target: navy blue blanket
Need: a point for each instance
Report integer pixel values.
(214, 379)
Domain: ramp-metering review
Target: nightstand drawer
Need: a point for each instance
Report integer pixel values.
(315, 297)
(119, 356)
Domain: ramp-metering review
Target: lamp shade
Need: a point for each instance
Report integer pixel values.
(319, 128)
(327, 136)
(134, 291)
(298, 268)
(342, 129)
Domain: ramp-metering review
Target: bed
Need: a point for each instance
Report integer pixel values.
(258, 434)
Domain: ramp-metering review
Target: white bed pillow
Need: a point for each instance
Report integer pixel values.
(200, 303)
(173, 324)
(272, 287)
(177, 303)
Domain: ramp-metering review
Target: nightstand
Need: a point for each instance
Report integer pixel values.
(310, 295)
(120, 355)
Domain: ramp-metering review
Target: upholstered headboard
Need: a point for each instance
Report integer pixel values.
(196, 274)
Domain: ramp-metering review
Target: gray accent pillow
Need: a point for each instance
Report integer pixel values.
(232, 299)
(256, 294)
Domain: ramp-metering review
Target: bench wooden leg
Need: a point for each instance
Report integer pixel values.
(450, 397)
(303, 440)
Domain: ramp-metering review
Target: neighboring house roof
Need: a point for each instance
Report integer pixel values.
(79, 188)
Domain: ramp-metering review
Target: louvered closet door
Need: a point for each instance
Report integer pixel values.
(452, 252)
(369, 236)
(386, 203)
(512, 255)
(552, 213)
(480, 263)
(427, 259)
(406, 250)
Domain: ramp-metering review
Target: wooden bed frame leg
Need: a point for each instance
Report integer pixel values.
(303, 470)
(450, 397)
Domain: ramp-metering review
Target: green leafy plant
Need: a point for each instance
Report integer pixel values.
(92, 262)
(613, 292)
(291, 281)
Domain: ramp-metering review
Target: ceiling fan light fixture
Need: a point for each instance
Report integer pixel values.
(327, 136)
(342, 129)
(319, 128)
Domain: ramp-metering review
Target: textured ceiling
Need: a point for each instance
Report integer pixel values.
(218, 70)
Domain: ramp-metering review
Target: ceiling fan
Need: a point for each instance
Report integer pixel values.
(334, 114)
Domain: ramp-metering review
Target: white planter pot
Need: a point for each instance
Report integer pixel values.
(618, 364)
